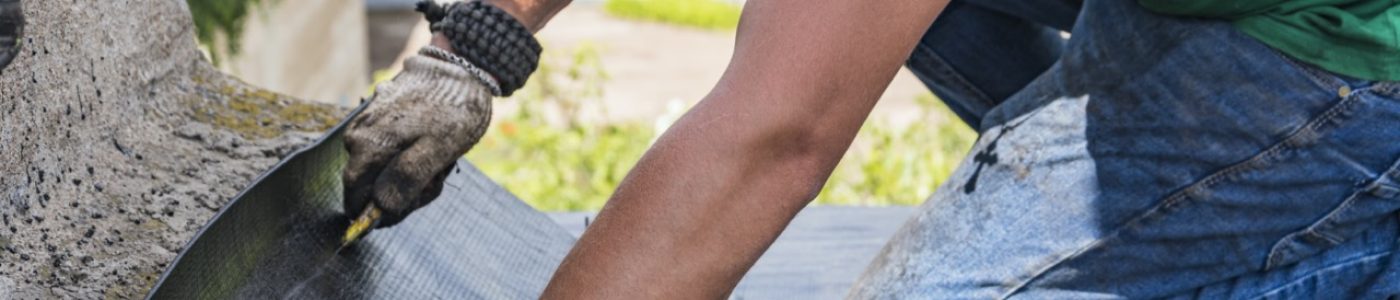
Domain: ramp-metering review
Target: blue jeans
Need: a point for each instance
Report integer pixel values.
(1146, 157)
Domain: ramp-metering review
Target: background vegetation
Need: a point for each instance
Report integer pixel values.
(545, 153)
(219, 23)
(710, 14)
(549, 156)
(551, 159)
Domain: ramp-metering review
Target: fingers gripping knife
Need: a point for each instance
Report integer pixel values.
(437, 108)
(361, 225)
(421, 122)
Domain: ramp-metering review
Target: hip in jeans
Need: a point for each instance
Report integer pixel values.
(1146, 157)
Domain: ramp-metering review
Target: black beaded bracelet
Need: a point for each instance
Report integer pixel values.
(488, 37)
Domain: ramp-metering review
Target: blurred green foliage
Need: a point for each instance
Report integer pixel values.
(900, 165)
(549, 156)
(545, 154)
(709, 14)
(219, 24)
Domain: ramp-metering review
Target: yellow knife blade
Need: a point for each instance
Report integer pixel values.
(361, 225)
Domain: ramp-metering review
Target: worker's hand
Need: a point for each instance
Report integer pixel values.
(411, 135)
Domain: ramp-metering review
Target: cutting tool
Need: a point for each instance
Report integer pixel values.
(361, 225)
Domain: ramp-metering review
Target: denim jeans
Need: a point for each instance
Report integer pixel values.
(1146, 157)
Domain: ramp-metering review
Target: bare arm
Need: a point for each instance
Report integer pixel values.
(719, 186)
(531, 13)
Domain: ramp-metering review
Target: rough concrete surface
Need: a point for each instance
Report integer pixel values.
(118, 141)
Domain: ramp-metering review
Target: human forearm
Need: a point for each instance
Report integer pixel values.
(531, 13)
(698, 210)
(720, 185)
(534, 14)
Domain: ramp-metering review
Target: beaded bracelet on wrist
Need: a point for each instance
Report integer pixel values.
(489, 38)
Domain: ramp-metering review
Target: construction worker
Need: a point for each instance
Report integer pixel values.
(1186, 148)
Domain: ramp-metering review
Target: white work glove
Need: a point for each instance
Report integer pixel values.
(416, 127)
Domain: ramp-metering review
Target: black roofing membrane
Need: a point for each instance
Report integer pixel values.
(280, 239)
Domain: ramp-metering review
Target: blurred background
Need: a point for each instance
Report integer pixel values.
(614, 75)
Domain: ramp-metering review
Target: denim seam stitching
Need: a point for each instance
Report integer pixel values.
(1176, 199)
(1358, 260)
(1388, 88)
(945, 70)
(1319, 227)
(1272, 260)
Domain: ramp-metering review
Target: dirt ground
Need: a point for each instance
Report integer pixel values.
(118, 142)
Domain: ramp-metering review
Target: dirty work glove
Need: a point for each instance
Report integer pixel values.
(414, 130)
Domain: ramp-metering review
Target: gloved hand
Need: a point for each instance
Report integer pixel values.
(411, 135)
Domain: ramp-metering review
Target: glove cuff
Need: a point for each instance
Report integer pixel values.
(480, 74)
(444, 81)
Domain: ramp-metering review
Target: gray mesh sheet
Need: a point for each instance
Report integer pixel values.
(279, 239)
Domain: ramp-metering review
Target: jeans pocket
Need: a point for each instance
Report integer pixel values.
(1373, 201)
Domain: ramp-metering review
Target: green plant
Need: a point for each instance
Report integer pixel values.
(710, 14)
(559, 162)
(900, 165)
(219, 23)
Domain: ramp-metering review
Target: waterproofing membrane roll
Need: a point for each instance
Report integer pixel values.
(280, 239)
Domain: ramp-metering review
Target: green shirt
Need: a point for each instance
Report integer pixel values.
(1357, 38)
